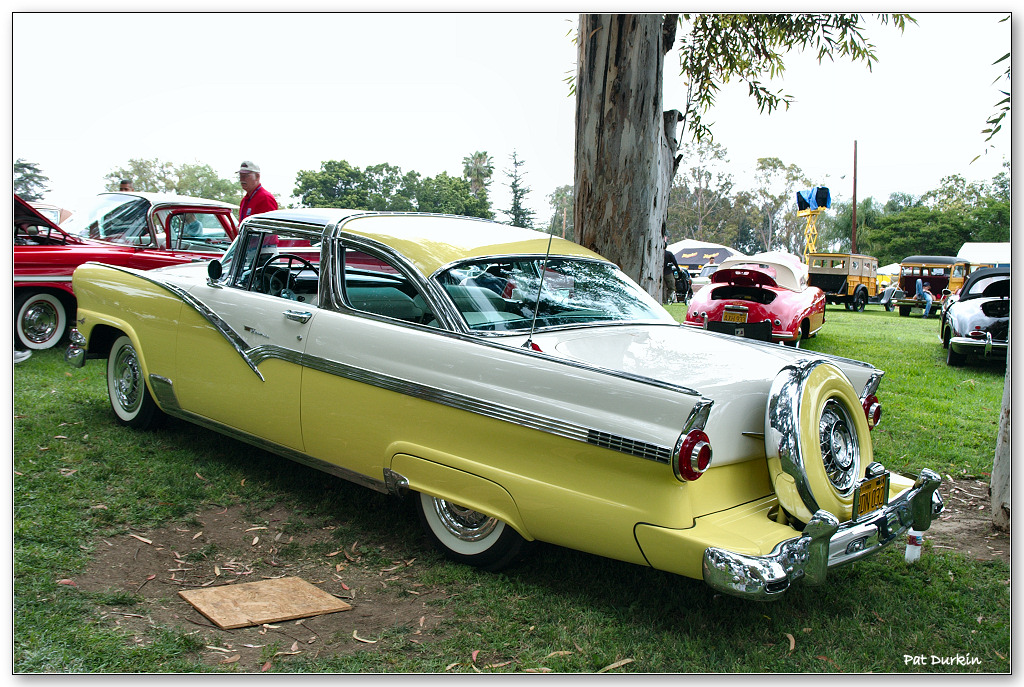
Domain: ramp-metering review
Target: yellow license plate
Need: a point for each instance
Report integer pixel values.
(728, 316)
(870, 495)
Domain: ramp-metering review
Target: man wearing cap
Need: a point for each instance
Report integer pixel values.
(257, 199)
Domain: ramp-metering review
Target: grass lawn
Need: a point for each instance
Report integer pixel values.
(81, 484)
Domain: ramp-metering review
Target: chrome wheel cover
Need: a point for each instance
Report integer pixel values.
(39, 322)
(463, 523)
(127, 379)
(840, 452)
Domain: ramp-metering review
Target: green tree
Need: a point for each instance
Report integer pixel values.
(834, 228)
(898, 202)
(955, 193)
(201, 181)
(744, 220)
(626, 143)
(337, 185)
(388, 189)
(451, 196)
(776, 198)
(477, 169)
(699, 205)
(148, 176)
(384, 187)
(196, 180)
(919, 230)
(519, 215)
(29, 182)
(561, 202)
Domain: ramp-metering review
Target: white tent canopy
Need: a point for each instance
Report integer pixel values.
(695, 254)
(891, 269)
(996, 254)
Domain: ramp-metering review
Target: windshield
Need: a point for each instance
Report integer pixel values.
(502, 294)
(112, 217)
(708, 270)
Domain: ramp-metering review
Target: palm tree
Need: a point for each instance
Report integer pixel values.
(477, 170)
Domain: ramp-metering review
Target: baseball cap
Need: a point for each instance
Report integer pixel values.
(249, 166)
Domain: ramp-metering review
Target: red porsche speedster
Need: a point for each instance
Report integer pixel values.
(763, 296)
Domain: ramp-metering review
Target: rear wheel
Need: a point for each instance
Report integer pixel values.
(954, 359)
(904, 311)
(860, 299)
(126, 387)
(40, 320)
(467, 536)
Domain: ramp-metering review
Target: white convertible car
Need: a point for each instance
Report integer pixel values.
(518, 386)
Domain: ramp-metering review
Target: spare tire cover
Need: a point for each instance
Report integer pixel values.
(817, 440)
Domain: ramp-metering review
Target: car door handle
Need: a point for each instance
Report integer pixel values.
(298, 315)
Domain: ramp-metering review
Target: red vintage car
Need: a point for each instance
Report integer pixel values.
(763, 296)
(139, 230)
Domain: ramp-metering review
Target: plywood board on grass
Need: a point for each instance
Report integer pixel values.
(268, 601)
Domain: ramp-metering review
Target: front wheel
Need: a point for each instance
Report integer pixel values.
(126, 387)
(859, 301)
(40, 320)
(467, 536)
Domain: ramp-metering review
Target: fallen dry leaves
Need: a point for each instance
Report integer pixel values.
(617, 664)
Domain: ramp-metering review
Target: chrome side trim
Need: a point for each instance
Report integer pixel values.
(698, 418)
(824, 544)
(43, 279)
(163, 388)
(497, 411)
(872, 384)
(204, 311)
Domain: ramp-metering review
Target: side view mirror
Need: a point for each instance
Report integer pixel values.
(214, 270)
(946, 292)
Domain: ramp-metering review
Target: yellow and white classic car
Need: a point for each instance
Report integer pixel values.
(518, 386)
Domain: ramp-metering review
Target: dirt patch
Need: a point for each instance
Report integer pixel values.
(228, 546)
(965, 525)
(389, 604)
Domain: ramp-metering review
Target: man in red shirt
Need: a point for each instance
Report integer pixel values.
(257, 199)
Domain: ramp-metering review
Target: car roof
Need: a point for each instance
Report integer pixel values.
(984, 273)
(430, 241)
(932, 259)
(171, 199)
(790, 272)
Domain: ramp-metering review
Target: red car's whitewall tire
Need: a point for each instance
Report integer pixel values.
(40, 320)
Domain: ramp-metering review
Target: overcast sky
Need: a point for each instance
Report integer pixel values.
(422, 91)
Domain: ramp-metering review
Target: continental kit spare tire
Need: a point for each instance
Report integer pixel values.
(817, 440)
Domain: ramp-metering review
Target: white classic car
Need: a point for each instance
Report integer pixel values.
(518, 386)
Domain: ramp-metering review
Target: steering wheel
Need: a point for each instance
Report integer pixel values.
(276, 280)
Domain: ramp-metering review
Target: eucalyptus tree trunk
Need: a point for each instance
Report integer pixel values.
(625, 144)
(999, 488)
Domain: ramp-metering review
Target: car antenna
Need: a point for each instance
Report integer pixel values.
(536, 306)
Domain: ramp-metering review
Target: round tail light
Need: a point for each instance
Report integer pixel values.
(872, 410)
(693, 456)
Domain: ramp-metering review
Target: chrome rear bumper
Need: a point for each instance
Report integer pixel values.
(986, 347)
(825, 543)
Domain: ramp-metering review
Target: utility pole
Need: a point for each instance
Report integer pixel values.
(853, 229)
